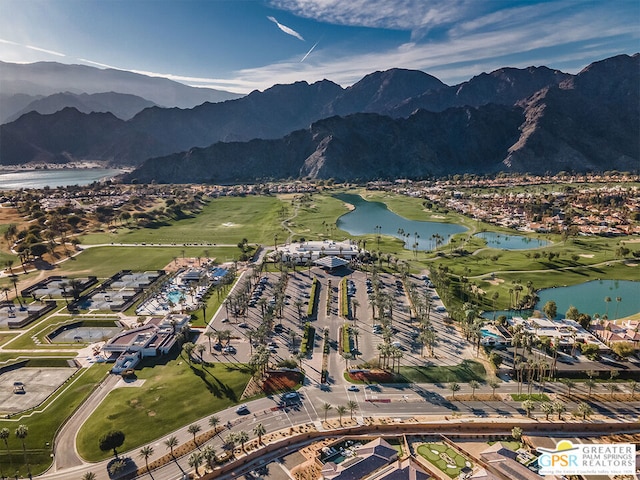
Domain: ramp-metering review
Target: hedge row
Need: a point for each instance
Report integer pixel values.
(312, 297)
(307, 338)
(346, 339)
(344, 298)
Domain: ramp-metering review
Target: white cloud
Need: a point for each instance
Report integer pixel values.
(416, 16)
(287, 30)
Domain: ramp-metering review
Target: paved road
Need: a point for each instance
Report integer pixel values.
(65, 453)
(403, 401)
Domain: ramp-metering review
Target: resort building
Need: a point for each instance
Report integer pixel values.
(375, 460)
(610, 332)
(501, 462)
(154, 338)
(564, 332)
(304, 251)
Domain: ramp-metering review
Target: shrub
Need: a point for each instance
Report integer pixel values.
(307, 338)
(344, 298)
(312, 297)
(346, 339)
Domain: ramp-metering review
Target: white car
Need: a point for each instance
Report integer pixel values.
(242, 408)
(353, 388)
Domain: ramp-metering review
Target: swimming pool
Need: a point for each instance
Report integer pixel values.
(174, 296)
(487, 333)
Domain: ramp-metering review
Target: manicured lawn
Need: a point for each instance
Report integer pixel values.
(439, 454)
(10, 356)
(464, 372)
(5, 337)
(173, 394)
(43, 426)
(103, 262)
(225, 220)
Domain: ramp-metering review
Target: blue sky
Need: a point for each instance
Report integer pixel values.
(235, 45)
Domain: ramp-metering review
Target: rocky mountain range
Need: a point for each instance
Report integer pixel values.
(23, 84)
(122, 105)
(397, 123)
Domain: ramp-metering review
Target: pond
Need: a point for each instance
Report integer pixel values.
(588, 298)
(511, 242)
(374, 217)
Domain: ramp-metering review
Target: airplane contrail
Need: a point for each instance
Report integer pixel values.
(310, 50)
(287, 30)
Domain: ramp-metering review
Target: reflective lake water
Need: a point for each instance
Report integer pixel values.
(588, 297)
(62, 177)
(374, 217)
(510, 242)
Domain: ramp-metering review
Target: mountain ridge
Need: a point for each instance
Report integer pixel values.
(542, 112)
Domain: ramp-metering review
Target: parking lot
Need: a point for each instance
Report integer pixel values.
(284, 341)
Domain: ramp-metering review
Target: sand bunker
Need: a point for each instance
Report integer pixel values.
(587, 255)
(229, 224)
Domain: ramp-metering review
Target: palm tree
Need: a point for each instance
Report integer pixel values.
(528, 406)
(569, 384)
(209, 455)
(634, 385)
(547, 408)
(326, 407)
(454, 387)
(195, 460)
(341, 409)
(493, 384)
(259, 431)
(473, 384)
(146, 452)
(354, 308)
(242, 437)
(89, 476)
(585, 410)
(559, 408)
(516, 433)
(352, 406)
(194, 429)
(230, 442)
(200, 349)
(21, 432)
(214, 422)
(171, 442)
(590, 383)
(4, 435)
(210, 334)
